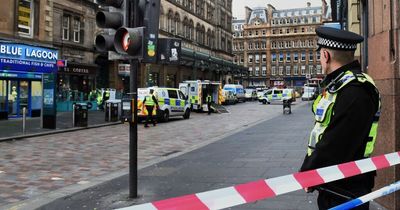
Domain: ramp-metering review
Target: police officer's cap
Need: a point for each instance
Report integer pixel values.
(337, 39)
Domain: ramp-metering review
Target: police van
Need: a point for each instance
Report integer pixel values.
(172, 103)
(237, 90)
(277, 94)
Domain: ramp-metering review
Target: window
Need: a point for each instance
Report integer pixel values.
(303, 30)
(264, 58)
(287, 70)
(280, 57)
(273, 70)
(250, 58)
(303, 56)
(319, 69)
(250, 71)
(241, 59)
(250, 33)
(263, 45)
(257, 72)
(280, 70)
(295, 30)
(65, 27)
(295, 70)
(311, 56)
(303, 70)
(257, 45)
(257, 58)
(264, 70)
(296, 56)
(263, 32)
(256, 33)
(25, 17)
(287, 31)
(288, 57)
(273, 31)
(250, 46)
(311, 69)
(273, 57)
(172, 94)
(77, 29)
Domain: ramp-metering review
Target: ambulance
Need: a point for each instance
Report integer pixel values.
(172, 103)
(197, 90)
(277, 94)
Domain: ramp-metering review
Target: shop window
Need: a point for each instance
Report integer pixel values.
(153, 79)
(171, 80)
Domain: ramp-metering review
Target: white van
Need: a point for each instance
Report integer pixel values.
(237, 90)
(277, 94)
(308, 93)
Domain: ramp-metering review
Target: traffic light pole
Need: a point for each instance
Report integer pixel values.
(132, 13)
(133, 128)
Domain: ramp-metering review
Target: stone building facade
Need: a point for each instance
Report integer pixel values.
(279, 46)
(204, 26)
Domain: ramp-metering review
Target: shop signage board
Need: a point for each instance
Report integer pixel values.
(20, 57)
(49, 101)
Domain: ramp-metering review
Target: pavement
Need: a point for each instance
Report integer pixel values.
(12, 128)
(87, 169)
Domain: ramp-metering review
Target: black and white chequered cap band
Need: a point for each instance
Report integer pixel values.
(336, 45)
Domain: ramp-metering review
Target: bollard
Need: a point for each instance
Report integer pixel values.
(23, 120)
(109, 112)
(73, 115)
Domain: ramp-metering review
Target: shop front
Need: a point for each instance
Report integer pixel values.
(21, 74)
(76, 83)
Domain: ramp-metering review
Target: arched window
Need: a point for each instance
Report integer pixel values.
(198, 33)
(177, 24)
(162, 19)
(203, 35)
(209, 38)
(170, 22)
(186, 29)
(191, 30)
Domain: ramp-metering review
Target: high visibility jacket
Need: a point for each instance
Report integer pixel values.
(107, 93)
(149, 101)
(208, 99)
(323, 110)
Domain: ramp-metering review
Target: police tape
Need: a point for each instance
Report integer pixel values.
(368, 197)
(268, 188)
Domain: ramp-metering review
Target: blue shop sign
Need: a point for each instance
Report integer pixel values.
(20, 57)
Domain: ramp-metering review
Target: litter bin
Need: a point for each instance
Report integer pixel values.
(81, 115)
(112, 112)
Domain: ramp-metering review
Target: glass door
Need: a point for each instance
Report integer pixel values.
(24, 97)
(13, 86)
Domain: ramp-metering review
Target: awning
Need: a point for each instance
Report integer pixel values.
(206, 61)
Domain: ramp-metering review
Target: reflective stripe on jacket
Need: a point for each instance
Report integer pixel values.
(323, 111)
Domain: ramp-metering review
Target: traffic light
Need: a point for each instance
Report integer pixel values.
(129, 41)
(139, 39)
(111, 17)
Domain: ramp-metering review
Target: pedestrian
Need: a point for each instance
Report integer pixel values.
(346, 118)
(209, 100)
(150, 101)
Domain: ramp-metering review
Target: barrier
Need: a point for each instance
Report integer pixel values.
(268, 188)
(368, 197)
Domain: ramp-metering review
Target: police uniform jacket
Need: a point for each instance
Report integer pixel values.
(346, 136)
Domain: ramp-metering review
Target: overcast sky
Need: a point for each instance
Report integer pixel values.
(238, 5)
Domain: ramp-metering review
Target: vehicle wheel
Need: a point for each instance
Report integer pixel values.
(268, 102)
(165, 117)
(187, 114)
(264, 101)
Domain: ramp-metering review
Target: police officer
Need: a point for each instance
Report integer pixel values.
(346, 118)
(149, 101)
(209, 100)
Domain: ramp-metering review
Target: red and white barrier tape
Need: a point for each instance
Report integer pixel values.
(267, 188)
